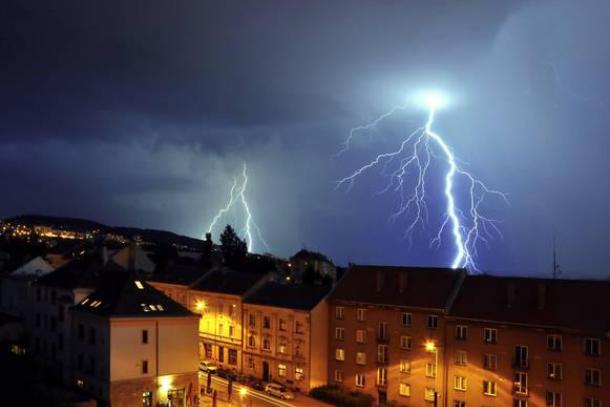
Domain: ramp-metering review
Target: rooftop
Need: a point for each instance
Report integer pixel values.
(124, 294)
(294, 296)
(82, 272)
(421, 287)
(228, 281)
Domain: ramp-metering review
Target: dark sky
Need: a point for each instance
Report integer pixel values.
(139, 113)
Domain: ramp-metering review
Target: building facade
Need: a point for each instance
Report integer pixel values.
(285, 335)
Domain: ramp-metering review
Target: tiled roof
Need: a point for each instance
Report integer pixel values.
(180, 274)
(228, 281)
(293, 296)
(422, 287)
(123, 294)
(575, 304)
(309, 255)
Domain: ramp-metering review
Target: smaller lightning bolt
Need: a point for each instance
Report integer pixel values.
(237, 194)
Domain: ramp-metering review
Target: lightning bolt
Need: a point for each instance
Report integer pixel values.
(237, 195)
(465, 220)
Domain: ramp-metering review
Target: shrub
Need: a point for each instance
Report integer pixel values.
(340, 397)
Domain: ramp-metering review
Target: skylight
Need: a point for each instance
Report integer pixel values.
(139, 284)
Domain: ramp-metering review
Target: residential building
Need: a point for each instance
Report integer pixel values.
(286, 334)
(175, 281)
(15, 287)
(217, 298)
(134, 346)
(314, 261)
(386, 327)
(528, 342)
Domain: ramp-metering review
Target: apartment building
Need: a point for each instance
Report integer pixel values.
(15, 287)
(176, 280)
(386, 330)
(526, 342)
(217, 298)
(134, 346)
(286, 334)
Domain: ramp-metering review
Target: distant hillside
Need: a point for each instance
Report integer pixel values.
(82, 225)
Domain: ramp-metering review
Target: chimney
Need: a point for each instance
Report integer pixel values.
(131, 265)
(541, 296)
(510, 294)
(379, 281)
(402, 282)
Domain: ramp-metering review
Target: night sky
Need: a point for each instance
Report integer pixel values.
(140, 113)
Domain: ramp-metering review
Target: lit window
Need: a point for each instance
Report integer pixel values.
(489, 388)
(139, 284)
(460, 357)
(490, 335)
(360, 336)
(429, 394)
(382, 353)
(338, 376)
(153, 307)
(360, 314)
(554, 371)
(339, 312)
(430, 370)
(459, 403)
(359, 380)
(340, 354)
(461, 332)
(460, 383)
(160, 307)
(382, 376)
(405, 390)
(298, 373)
(405, 366)
(339, 333)
(490, 361)
(281, 370)
(520, 382)
(405, 342)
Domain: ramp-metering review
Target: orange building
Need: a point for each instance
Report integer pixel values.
(528, 342)
(286, 333)
(386, 325)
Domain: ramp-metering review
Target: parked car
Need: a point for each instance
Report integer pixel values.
(208, 367)
(226, 374)
(277, 390)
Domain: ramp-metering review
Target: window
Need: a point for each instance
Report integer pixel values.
(339, 333)
(553, 399)
(432, 321)
(430, 370)
(406, 318)
(360, 314)
(589, 402)
(251, 364)
(359, 380)
(405, 342)
(519, 403)
(461, 332)
(221, 354)
(459, 403)
(490, 335)
(298, 373)
(382, 331)
(593, 377)
(382, 353)
(147, 399)
(282, 325)
(282, 348)
(81, 332)
(266, 322)
(208, 350)
(232, 356)
(460, 357)
(592, 347)
(554, 371)
(490, 361)
(266, 344)
(360, 358)
(340, 354)
(489, 388)
(405, 390)
(521, 356)
(360, 336)
(429, 394)
(382, 376)
(460, 383)
(339, 376)
(520, 382)
(339, 312)
(298, 327)
(144, 366)
(144, 336)
(554, 343)
(405, 366)
(281, 370)
(252, 320)
(252, 341)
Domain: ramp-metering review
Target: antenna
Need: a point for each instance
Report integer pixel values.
(556, 267)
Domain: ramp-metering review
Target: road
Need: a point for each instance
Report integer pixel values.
(253, 398)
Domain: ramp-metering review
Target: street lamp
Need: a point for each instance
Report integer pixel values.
(431, 347)
(243, 393)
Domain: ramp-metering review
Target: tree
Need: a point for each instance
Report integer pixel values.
(234, 249)
(309, 275)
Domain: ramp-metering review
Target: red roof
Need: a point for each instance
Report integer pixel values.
(421, 287)
(576, 304)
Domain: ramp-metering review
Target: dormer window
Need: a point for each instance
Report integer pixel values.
(139, 284)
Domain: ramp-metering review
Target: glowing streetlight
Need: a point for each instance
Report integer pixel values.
(200, 305)
(431, 347)
(243, 391)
